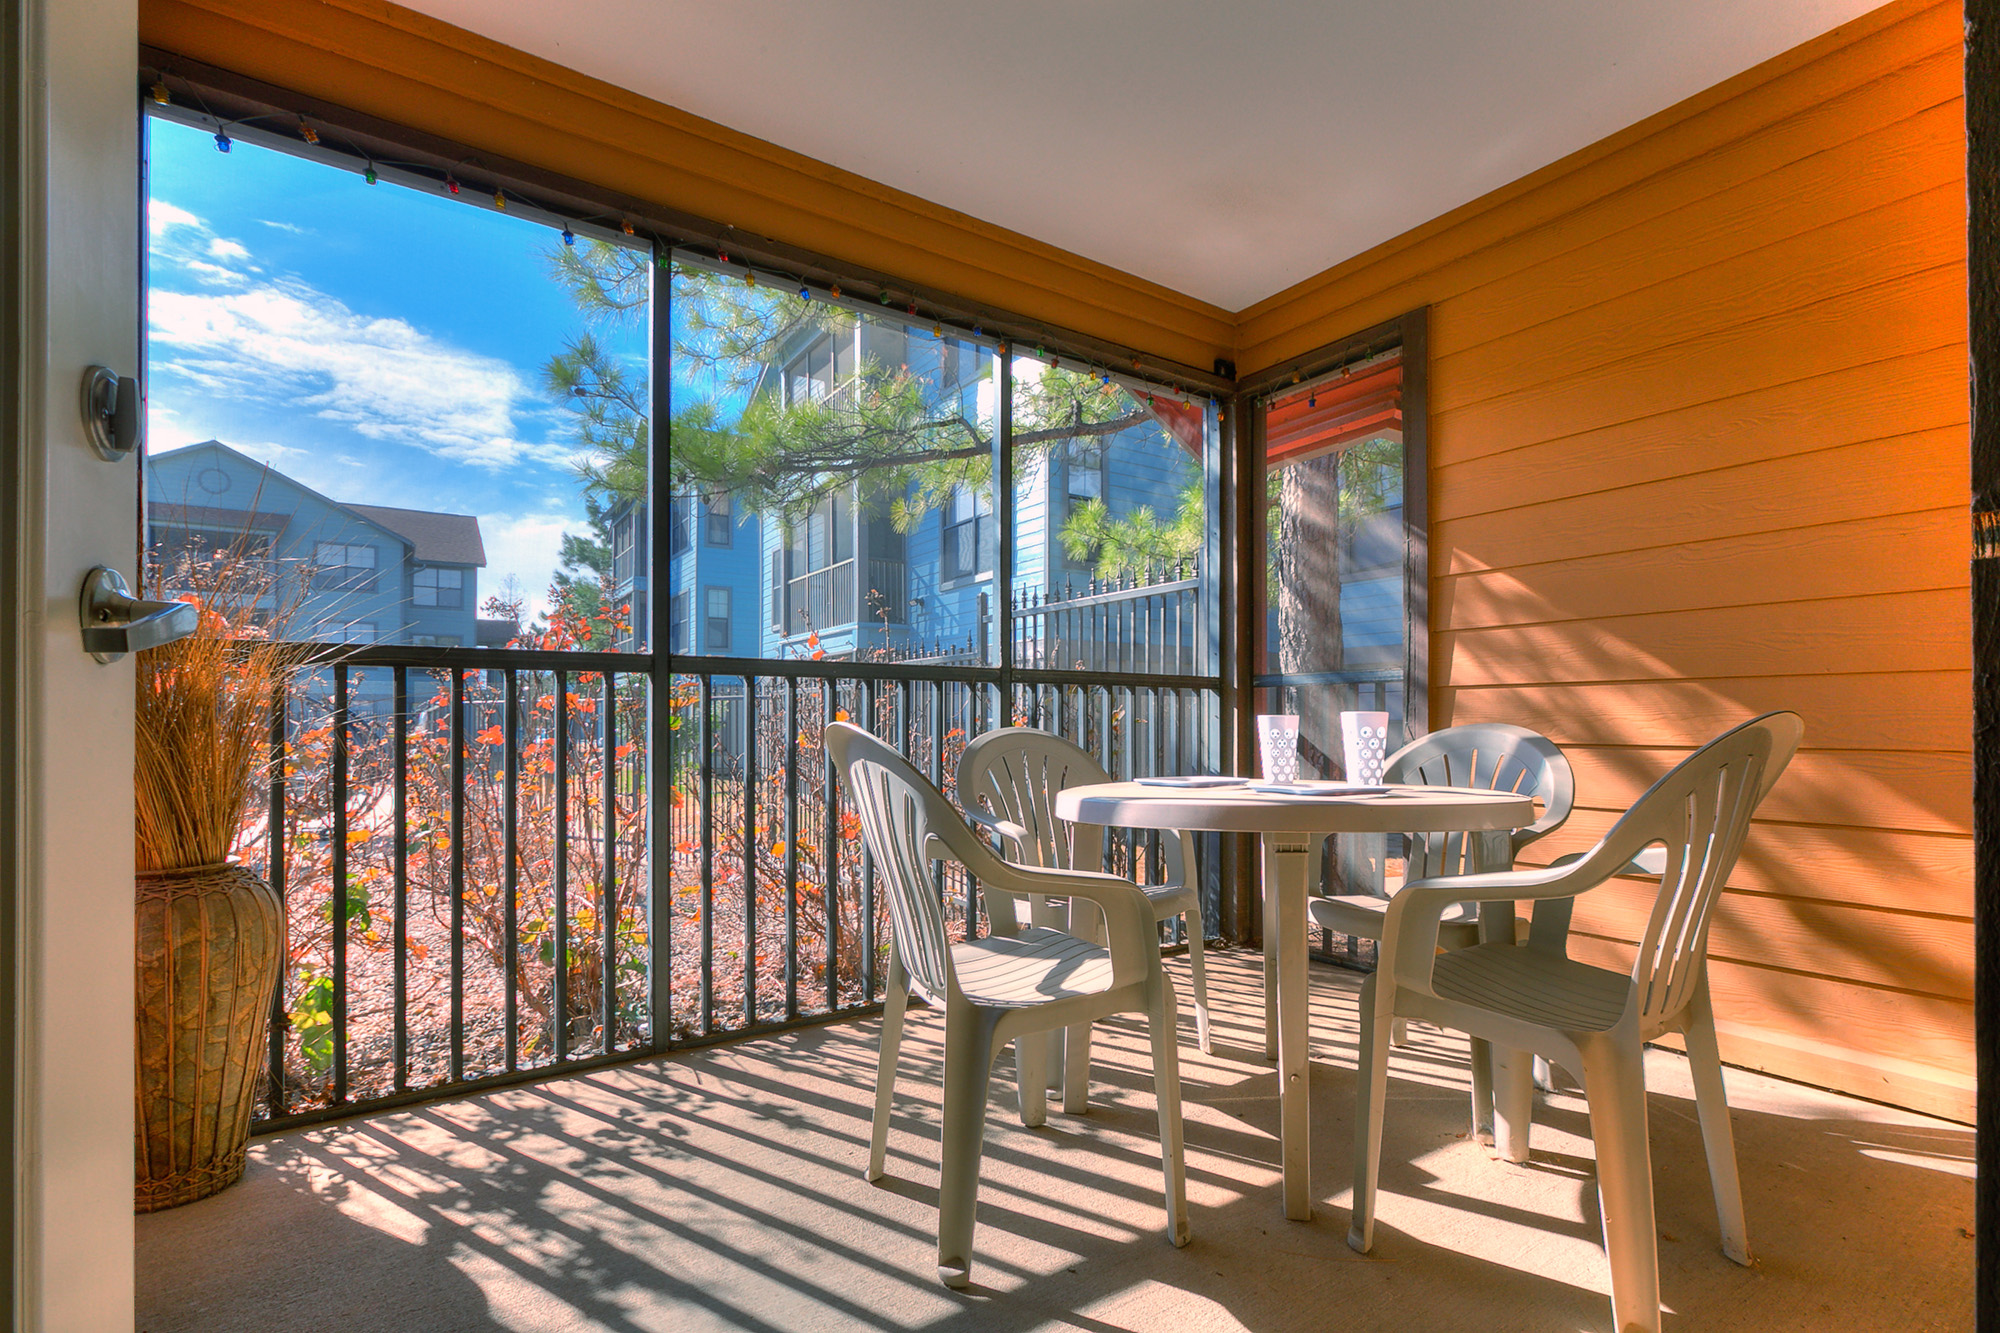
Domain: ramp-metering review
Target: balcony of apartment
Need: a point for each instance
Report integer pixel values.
(587, 953)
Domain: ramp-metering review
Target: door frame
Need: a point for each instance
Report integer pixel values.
(70, 296)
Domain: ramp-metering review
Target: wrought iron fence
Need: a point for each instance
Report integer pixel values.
(498, 864)
(463, 856)
(1147, 623)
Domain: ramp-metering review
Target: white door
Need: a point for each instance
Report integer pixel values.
(73, 194)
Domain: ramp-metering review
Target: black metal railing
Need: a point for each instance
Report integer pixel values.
(785, 920)
(461, 841)
(500, 864)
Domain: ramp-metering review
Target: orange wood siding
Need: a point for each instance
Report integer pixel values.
(1698, 439)
(405, 67)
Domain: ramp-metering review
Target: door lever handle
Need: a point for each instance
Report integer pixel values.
(116, 623)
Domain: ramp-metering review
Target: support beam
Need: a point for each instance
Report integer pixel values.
(1982, 123)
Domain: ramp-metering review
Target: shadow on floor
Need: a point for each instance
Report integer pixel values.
(723, 1190)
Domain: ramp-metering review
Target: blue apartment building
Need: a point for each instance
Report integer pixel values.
(371, 574)
(842, 579)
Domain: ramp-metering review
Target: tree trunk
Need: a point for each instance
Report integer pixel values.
(1307, 567)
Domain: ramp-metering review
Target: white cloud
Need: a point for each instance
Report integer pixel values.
(384, 379)
(161, 216)
(291, 227)
(214, 275)
(524, 546)
(224, 248)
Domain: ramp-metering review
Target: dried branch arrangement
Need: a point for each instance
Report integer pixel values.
(204, 705)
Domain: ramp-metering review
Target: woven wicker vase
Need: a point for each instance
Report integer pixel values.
(208, 960)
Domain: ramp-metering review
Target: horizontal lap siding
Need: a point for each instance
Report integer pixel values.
(1698, 451)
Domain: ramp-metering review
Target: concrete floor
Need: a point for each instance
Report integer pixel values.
(723, 1190)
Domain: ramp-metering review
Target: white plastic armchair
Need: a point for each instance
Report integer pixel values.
(1493, 756)
(999, 988)
(1591, 1021)
(1017, 772)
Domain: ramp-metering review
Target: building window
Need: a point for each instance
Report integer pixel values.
(348, 568)
(809, 375)
(678, 538)
(717, 529)
(677, 623)
(435, 641)
(778, 581)
(628, 545)
(716, 635)
(819, 564)
(969, 535)
(203, 544)
(1085, 465)
(355, 631)
(440, 587)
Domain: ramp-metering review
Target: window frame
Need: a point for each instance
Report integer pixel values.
(325, 581)
(710, 621)
(1410, 332)
(716, 522)
(437, 587)
(985, 530)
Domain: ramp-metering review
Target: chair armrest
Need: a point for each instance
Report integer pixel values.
(1129, 929)
(1410, 925)
(1006, 828)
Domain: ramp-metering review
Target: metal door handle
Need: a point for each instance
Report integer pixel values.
(116, 623)
(110, 413)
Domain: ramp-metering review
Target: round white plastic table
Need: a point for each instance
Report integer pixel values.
(1291, 827)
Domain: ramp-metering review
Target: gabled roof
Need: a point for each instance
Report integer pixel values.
(217, 446)
(436, 538)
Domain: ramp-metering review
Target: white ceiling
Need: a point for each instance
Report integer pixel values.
(1226, 150)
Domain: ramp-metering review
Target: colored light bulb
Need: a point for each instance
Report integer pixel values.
(222, 143)
(160, 93)
(369, 175)
(450, 184)
(805, 292)
(569, 237)
(308, 133)
(500, 200)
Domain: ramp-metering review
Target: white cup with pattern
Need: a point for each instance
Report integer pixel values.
(1278, 746)
(1365, 738)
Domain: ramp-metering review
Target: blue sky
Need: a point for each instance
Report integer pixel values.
(381, 345)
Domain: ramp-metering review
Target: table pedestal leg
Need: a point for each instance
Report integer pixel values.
(1270, 982)
(1285, 952)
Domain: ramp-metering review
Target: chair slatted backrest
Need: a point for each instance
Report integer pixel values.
(1017, 772)
(1490, 756)
(1700, 813)
(900, 810)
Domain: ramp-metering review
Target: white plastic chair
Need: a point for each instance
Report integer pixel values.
(999, 988)
(1493, 756)
(1591, 1021)
(1017, 771)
